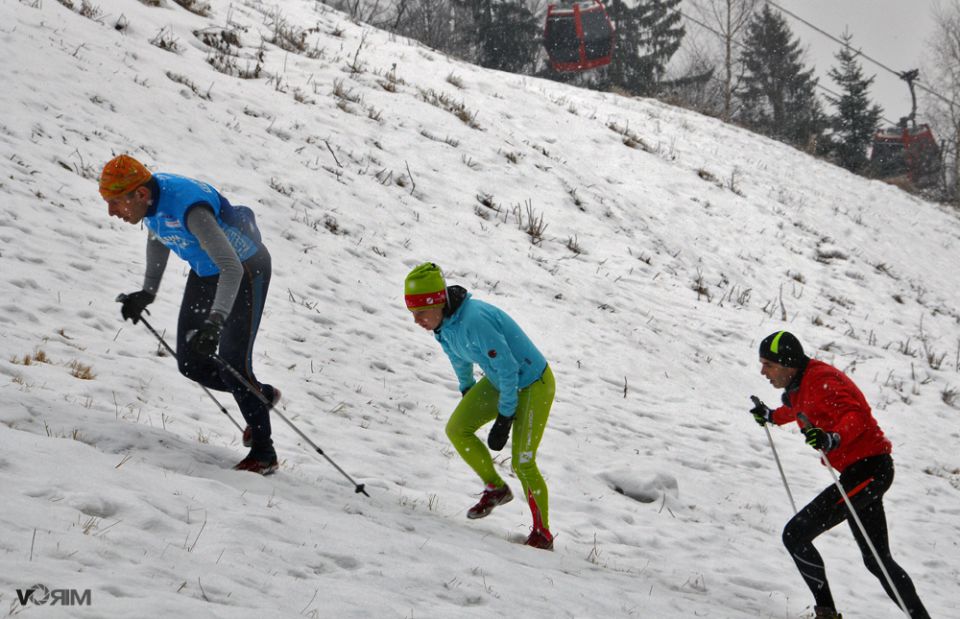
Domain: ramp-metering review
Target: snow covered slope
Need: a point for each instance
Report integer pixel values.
(645, 249)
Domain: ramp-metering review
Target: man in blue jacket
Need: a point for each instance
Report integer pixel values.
(225, 292)
(516, 390)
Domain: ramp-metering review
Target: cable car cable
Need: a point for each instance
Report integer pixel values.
(859, 52)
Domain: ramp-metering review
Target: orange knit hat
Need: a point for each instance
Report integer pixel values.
(121, 175)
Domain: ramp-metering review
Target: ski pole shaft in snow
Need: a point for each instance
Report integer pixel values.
(172, 352)
(805, 423)
(776, 457)
(358, 488)
(783, 477)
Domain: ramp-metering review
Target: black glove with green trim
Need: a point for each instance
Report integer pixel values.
(761, 412)
(821, 440)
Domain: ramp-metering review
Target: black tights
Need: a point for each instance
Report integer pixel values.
(236, 343)
(865, 482)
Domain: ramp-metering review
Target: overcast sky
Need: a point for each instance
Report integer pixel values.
(893, 32)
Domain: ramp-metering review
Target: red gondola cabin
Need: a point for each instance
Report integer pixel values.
(907, 149)
(578, 38)
(911, 151)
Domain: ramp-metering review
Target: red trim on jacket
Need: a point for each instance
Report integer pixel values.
(834, 404)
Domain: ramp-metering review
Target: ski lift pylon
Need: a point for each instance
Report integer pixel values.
(578, 37)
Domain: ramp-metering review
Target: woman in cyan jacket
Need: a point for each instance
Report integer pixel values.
(839, 423)
(516, 390)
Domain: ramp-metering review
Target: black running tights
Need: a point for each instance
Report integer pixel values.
(236, 342)
(865, 482)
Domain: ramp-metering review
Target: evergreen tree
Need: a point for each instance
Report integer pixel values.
(623, 71)
(648, 35)
(777, 96)
(661, 33)
(856, 119)
(508, 37)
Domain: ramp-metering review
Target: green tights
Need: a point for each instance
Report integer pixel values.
(479, 407)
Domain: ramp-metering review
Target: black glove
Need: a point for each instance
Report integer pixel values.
(761, 412)
(820, 440)
(205, 340)
(499, 432)
(134, 304)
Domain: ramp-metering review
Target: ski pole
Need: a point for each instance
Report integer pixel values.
(121, 298)
(783, 477)
(776, 457)
(805, 423)
(358, 488)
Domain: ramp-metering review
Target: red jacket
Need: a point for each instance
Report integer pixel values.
(834, 404)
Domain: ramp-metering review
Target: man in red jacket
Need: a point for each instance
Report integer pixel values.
(842, 426)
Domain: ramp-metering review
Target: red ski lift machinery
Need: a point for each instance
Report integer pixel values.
(907, 149)
(578, 37)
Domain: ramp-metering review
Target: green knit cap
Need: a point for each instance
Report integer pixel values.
(425, 288)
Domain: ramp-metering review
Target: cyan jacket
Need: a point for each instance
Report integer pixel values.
(479, 333)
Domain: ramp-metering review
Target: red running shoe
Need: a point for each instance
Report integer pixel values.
(540, 539)
(252, 464)
(491, 498)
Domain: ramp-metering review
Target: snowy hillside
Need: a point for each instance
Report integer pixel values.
(645, 249)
